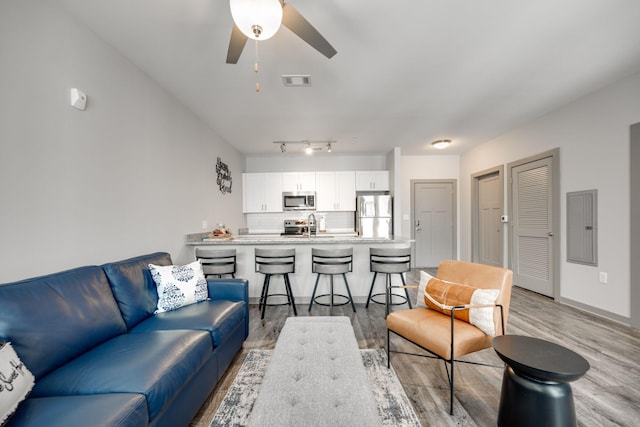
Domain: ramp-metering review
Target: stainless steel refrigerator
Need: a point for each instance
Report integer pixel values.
(374, 216)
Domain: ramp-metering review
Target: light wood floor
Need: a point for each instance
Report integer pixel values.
(608, 395)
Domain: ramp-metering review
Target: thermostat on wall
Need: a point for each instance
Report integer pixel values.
(78, 99)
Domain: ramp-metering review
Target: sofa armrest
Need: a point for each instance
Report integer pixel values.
(229, 289)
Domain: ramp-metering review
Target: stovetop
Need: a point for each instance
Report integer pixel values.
(297, 227)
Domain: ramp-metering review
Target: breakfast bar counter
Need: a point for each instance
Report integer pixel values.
(303, 280)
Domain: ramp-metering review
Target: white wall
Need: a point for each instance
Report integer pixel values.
(294, 162)
(593, 136)
(132, 174)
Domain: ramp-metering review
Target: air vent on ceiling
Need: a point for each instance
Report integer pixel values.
(296, 80)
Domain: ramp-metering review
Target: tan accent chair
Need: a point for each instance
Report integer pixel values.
(444, 336)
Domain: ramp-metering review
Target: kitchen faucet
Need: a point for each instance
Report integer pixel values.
(309, 223)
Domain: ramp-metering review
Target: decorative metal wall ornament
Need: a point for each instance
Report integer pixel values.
(224, 177)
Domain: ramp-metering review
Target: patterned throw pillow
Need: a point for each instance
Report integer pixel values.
(16, 381)
(179, 285)
(439, 292)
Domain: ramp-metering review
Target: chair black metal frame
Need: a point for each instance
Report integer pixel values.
(275, 262)
(217, 262)
(451, 360)
(389, 261)
(332, 262)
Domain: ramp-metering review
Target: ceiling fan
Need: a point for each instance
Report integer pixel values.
(291, 18)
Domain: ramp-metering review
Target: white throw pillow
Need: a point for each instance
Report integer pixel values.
(15, 381)
(424, 279)
(179, 285)
(482, 318)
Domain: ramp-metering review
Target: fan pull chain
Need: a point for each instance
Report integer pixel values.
(255, 68)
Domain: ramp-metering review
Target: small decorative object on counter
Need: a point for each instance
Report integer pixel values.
(220, 232)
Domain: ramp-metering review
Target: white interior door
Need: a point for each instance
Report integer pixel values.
(434, 222)
(532, 222)
(489, 227)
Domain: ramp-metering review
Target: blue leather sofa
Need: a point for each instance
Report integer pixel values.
(102, 358)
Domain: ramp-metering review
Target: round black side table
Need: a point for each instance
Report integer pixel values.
(535, 385)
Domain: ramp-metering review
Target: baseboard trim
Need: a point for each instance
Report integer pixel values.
(596, 311)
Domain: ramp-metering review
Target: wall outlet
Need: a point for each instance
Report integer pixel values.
(205, 224)
(603, 277)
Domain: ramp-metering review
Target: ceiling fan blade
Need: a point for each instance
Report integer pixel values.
(236, 45)
(292, 19)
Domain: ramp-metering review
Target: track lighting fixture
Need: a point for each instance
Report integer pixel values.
(309, 146)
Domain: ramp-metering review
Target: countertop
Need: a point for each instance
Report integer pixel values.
(201, 239)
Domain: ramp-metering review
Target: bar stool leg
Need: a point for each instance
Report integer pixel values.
(387, 300)
(314, 292)
(262, 293)
(267, 279)
(406, 291)
(373, 282)
(292, 301)
(331, 287)
(344, 276)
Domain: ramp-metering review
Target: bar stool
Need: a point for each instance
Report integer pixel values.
(272, 262)
(331, 262)
(217, 262)
(389, 261)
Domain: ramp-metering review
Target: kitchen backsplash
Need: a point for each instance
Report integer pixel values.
(273, 222)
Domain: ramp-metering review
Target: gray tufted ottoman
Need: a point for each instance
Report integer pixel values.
(315, 378)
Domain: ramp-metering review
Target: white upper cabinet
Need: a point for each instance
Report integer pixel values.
(261, 192)
(372, 180)
(336, 191)
(298, 181)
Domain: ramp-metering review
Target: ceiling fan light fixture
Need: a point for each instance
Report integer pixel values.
(329, 149)
(257, 19)
(283, 147)
(441, 143)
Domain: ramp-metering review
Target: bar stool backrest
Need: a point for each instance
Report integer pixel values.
(332, 261)
(217, 261)
(275, 261)
(390, 260)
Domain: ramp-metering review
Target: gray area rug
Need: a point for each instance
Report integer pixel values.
(393, 404)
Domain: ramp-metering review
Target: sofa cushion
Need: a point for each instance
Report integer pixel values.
(219, 318)
(96, 410)
(156, 364)
(133, 287)
(179, 285)
(53, 319)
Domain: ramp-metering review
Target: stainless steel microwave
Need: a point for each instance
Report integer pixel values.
(299, 201)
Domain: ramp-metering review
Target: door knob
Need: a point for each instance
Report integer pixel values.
(550, 234)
